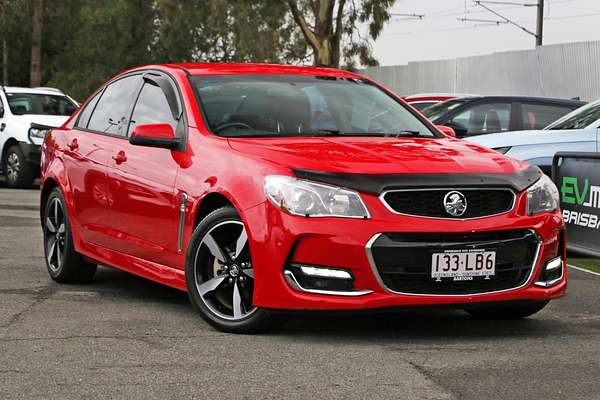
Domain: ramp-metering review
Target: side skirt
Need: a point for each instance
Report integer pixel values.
(163, 274)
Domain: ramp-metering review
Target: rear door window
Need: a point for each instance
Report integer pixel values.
(484, 118)
(111, 114)
(538, 116)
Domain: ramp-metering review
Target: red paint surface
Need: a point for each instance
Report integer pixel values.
(125, 213)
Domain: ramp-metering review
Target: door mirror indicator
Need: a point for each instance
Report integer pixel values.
(446, 130)
(155, 135)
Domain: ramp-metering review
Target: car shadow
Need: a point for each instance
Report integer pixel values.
(414, 325)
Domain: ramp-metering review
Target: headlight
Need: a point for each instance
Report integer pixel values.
(502, 150)
(312, 199)
(37, 133)
(542, 196)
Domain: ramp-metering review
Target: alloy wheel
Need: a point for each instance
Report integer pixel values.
(13, 167)
(223, 271)
(55, 225)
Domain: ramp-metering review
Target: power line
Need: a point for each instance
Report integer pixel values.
(487, 25)
(480, 3)
(509, 3)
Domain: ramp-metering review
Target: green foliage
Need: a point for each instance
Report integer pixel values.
(373, 13)
(85, 42)
(108, 37)
(15, 29)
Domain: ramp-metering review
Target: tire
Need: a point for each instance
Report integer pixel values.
(18, 172)
(218, 264)
(64, 264)
(507, 312)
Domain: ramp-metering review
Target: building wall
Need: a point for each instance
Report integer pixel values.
(563, 70)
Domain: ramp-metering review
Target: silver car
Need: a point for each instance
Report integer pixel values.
(577, 131)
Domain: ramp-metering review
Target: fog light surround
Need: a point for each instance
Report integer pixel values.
(321, 280)
(552, 273)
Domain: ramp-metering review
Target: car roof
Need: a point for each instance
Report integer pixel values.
(38, 90)
(573, 102)
(435, 95)
(252, 68)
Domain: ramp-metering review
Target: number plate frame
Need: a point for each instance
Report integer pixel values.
(463, 264)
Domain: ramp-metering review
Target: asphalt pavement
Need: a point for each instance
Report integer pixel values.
(123, 337)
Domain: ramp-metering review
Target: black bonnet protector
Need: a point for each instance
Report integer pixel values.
(379, 183)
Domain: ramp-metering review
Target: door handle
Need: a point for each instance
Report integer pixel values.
(2, 126)
(120, 157)
(74, 145)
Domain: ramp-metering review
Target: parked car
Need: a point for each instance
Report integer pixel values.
(423, 100)
(479, 115)
(258, 188)
(576, 131)
(26, 114)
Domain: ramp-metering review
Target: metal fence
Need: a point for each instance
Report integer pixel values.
(563, 70)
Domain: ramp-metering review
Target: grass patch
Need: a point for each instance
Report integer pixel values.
(593, 264)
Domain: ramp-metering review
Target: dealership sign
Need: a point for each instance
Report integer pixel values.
(577, 176)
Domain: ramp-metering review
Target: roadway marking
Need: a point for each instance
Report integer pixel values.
(583, 270)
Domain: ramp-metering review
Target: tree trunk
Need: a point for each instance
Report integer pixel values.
(324, 38)
(4, 46)
(323, 56)
(36, 43)
(4, 63)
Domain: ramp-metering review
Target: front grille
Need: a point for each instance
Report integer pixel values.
(430, 202)
(403, 260)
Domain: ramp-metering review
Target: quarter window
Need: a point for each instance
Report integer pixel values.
(112, 111)
(538, 116)
(152, 108)
(84, 116)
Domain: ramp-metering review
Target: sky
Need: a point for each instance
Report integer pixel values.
(440, 35)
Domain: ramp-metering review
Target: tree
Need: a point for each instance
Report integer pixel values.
(105, 39)
(226, 30)
(331, 27)
(36, 43)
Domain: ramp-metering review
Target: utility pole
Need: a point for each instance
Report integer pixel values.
(540, 23)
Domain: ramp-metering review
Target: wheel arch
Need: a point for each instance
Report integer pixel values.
(10, 142)
(209, 203)
(47, 188)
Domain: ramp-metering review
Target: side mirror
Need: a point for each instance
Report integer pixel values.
(446, 130)
(155, 135)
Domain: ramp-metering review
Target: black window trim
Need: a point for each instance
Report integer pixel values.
(103, 90)
(182, 129)
(98, 92)
(183, 118)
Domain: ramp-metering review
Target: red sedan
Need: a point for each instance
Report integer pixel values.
(262, 187)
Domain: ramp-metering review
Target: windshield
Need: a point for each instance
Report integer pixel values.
(437, 110)
(295, 105)
(40, 104)
(578, 119)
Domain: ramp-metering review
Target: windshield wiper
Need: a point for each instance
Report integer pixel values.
(404, 133)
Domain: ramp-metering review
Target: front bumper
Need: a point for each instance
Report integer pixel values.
(343, 243)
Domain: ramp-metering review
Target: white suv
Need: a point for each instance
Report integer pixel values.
(25, 117)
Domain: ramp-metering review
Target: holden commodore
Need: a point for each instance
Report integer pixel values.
(263, 188)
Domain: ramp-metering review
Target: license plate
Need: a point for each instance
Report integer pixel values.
(463, 264)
